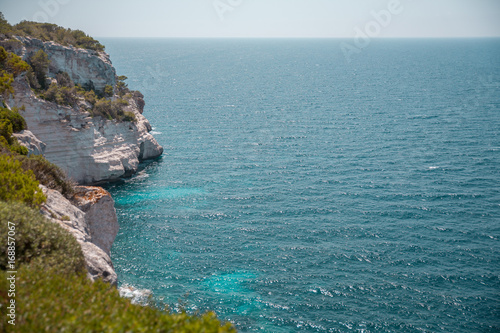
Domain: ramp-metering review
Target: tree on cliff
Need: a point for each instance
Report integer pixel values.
(5, 27)
(40, 64)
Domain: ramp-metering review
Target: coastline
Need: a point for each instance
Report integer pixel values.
(91, 149)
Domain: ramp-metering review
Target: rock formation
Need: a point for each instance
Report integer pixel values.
(91, 230)
(89, 149)
(86, 67)
(30, 141)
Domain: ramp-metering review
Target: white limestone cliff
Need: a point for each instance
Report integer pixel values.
(89, 149)
(86, 67)
(100, 215)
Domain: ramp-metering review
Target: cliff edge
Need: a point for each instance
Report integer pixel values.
(90, 149)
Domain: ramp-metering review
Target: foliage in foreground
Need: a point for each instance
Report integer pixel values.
(40, 243)
(54, 295)
(50, 302)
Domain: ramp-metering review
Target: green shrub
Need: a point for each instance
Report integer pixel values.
(52, 32)
(90, 97)
(48, 174)
(17, 121)
(64, 80)
(104, 108)
(5, 27)
(3, 55)
(6, 130)
(32, 80)
(19, 149)
(129, 116)
(40, 64)
(108, 90)
(6, 81)
(11, 66)
(15, 65)
(121, 101)
(17, 184)
(121, 86)
(61, 95)
(50, 302)
(40, 243)
(69, 95)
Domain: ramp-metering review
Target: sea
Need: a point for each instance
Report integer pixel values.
(303, 190)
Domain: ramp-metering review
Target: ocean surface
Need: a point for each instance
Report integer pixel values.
(301, 192)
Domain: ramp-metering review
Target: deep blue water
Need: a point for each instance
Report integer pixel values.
(302, 193)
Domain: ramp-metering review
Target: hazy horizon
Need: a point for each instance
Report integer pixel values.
(266, 19)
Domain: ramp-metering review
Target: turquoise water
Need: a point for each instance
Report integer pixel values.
(302, 193)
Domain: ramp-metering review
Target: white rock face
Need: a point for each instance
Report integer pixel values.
(30, 141)
(100, 215)
(89, 150)
(63, 212)
(85, 67)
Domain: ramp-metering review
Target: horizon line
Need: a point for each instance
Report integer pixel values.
(297, 37)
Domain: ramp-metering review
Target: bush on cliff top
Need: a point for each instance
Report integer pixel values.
(18, 185)
(50, 32)
(53, 32)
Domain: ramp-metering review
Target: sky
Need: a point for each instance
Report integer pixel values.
(264, 18)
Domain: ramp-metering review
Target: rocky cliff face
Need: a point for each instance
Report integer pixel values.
(86, 67)
(95, 232)
(89, 149)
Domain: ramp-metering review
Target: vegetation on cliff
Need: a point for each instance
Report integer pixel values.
(63, 91)
(109, 104)
(50, 32)
(18, 185)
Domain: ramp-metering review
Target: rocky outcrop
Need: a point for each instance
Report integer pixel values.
(100, 215)
(90, 150)
(84, 227)
(30, 141)
(86, 67)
